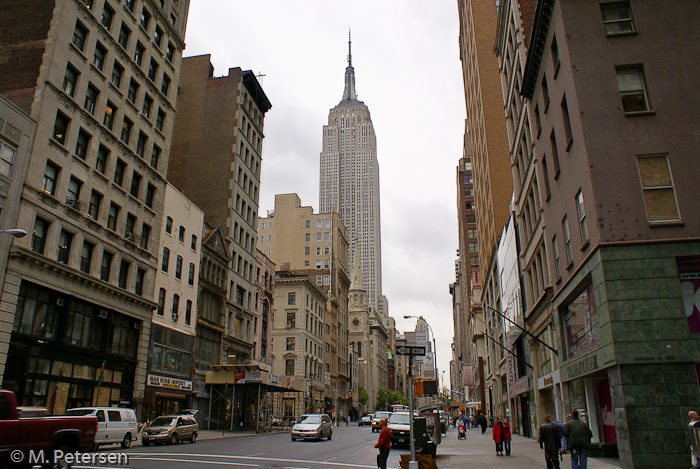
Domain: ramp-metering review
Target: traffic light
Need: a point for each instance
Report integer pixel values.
(425, 387)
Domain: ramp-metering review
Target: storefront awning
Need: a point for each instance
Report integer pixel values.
(252, 374)
(170, 395)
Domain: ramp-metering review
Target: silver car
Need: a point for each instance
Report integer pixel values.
(170, 429)
(313, 426)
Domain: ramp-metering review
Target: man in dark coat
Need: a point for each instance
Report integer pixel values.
(482, 422)
(578, 437)
(550, 441)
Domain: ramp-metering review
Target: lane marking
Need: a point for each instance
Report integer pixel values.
(193, 461)
(220, 456)
(331, 459)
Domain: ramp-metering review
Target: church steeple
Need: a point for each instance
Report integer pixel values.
(349, 94)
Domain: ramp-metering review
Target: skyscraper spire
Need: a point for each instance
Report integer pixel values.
(349, 94)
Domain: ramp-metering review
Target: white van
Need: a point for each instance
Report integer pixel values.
(114, 424)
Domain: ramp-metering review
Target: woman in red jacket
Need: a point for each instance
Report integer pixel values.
(498, 435)
(506, 435)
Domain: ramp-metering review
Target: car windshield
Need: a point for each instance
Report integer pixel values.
(399, 418)
(78, 412)
(163, 422)
(309, 419)
(382, 415)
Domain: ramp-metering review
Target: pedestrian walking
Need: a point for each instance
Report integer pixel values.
(498, 435)
(506, 435)
(560, 426)
(694, 437)
(578, 437)
(347, 421)
(482, 422)
(550, 441)
(383, 444)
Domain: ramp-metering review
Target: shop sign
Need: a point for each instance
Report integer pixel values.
(252, 376)
(274, 380)
(580, 368)
(170, 383)
(520, 386)
(467, 375)
(327, 378)
(290, 383)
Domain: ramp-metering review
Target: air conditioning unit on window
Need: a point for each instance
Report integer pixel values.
(103, 314)
(75, 203)
(175, 316)
(131, 236)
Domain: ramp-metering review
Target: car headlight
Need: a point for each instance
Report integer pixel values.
(164, 432)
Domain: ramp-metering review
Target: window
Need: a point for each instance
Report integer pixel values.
(158, 36)
(117, 73)
(291, 320)
(41, 229)
(319, 250)
(101, 161)
(94, 206)
(106, 266)
(567, 240)
(124, 34)
(190, 278)
(138, 285)
(556, 61)
(91, 98)
(176, 307)
(107, 16)
(193, 243)
(150, 195)
(160, 119)
(474, 247)
(545, 93)
(291, 298)
(123, 274)
(181, 234)
(86, 257)
(145, 18)
(657, 188)
(129, 4)
(135, 184)
(161, 302)
(36, 314)
(147, 105)
(538, 121)
(545, 173)
(74, 186)
(152, 70)
(50, 178)
(188, 312)
(319, 223)
(60, 128)
(318, 265)
(165, 263)
(99, 58)
(110, 111)
(129, 225)
(155, 156)
(81, 145)
(555, 153)
(326, 279)
(291, 344)
(289, 367)
(113, 216)
(319, 280)
(138, 53)
(307, 237)
(165, 85)
(169, 225)
(567, 123)
(119, 169)
(630, 83)
(79, 35)
(70, 79)
(145, 235)
(126, 130)
(141, 144)
(319, 237)
(64, 244)
(133, 92)
(581, 211)
(178, 267)
(617, 18)
(169, 52)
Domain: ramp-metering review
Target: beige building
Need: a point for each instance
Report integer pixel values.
(304, 243)
(264, 300)
(99, 78)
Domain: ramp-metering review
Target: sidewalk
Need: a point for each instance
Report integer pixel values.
(204, 434)
(480, 451)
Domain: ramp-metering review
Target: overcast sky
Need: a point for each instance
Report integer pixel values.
(406, 59)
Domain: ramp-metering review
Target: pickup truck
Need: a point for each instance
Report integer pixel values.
(27, 440)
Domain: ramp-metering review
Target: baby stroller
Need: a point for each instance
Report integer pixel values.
(461, 431)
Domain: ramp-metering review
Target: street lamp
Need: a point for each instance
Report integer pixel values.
(16, 232)
(432, 334)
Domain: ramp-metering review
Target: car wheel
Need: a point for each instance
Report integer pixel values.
(60, 463)
(126, 442)
(330, 435)
(193, 438)
(145, 443)
(173, 439)
(294, 439)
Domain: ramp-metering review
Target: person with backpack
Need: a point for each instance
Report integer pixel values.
(550, 441)
(498, 435)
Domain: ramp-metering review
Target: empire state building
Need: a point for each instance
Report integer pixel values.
(350, 182)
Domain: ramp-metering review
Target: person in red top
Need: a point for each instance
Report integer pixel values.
(498, 435)
(384, 444)
(506, 435)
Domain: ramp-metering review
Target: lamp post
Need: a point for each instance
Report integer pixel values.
(16, 232)
(434, 347)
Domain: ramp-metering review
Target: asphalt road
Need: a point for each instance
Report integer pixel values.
(350, 447)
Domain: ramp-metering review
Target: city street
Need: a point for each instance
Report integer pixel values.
(351, 447)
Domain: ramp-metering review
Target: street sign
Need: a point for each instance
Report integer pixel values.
(406, 350)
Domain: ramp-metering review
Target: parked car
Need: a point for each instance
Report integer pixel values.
(275, 421)
(382, 414)
(365, 421)
(47, 434)
(425, 436)
(114, 424)
(313, 426)
(170, 429)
